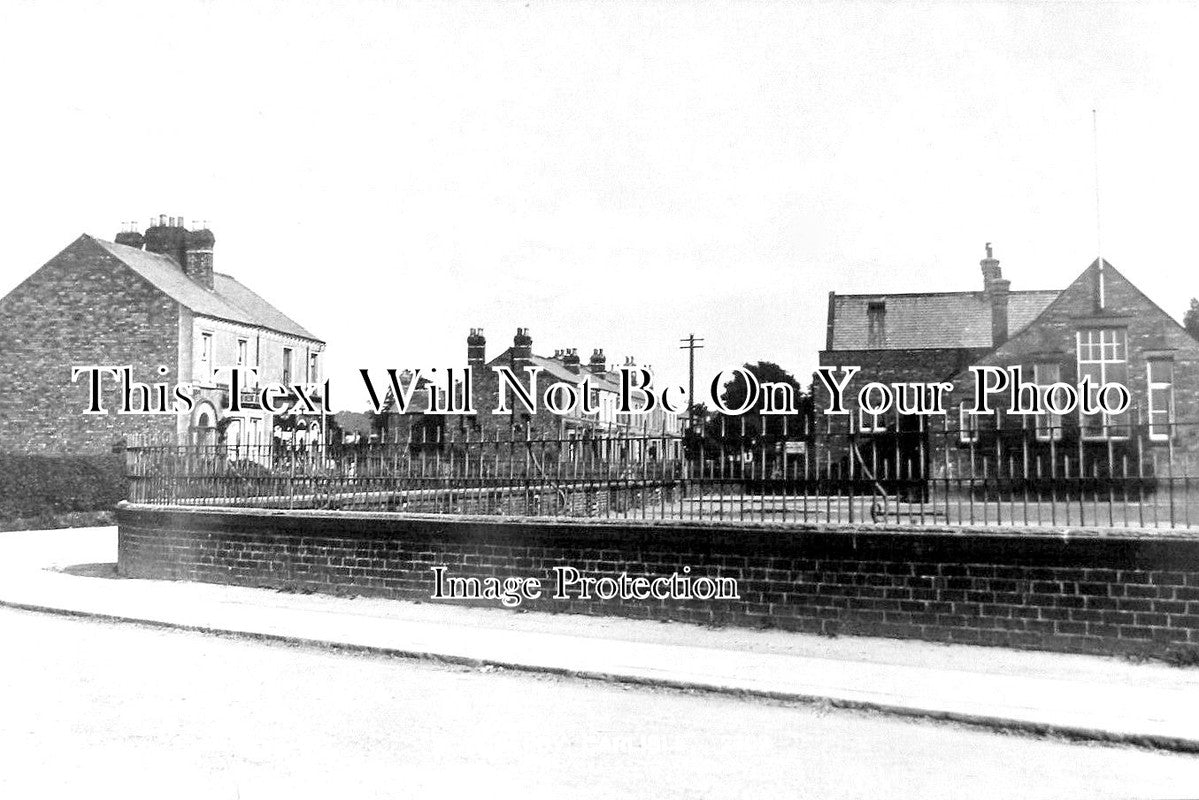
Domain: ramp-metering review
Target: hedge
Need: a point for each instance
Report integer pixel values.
(32, 486)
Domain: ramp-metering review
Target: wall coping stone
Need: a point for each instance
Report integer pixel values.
(1060, 533)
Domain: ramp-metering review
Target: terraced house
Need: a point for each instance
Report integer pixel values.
(603, 433)
(565, 366)
(154, 302)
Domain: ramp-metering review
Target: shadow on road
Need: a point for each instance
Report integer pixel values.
(107, 569)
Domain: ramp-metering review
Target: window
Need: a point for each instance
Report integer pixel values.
(967, 425)
(1049, 426)
(205, 372)
(1102, 357)
(243, 348)
(312, 371)
(876, 323)
(287, 365)
(1161, 398)
(870, 423)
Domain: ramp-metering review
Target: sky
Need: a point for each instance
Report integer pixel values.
(607, 174)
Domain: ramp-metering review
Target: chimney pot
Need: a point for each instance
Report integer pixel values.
(990, 268)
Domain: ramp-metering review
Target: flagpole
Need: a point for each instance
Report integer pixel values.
(1102, 298)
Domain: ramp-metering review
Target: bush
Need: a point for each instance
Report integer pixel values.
(36, 486)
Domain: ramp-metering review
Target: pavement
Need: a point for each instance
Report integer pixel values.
(1076, 696)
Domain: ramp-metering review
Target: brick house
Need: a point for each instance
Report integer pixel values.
(154, 302)
(1099, 326)
(565, 366)
(606, 432)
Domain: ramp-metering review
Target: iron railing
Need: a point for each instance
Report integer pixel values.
(918, 472)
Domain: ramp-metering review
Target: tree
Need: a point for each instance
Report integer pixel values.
(753, 427)
(222, 429)
(1191, 320)
(733, 440)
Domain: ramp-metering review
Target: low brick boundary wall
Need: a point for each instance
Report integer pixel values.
(1084, 591)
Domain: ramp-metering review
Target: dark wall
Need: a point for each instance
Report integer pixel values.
(1046, 590)
(34, 485)
(891, 366)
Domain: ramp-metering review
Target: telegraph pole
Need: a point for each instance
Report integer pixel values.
(692, 344)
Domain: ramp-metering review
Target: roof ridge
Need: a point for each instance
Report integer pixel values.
(108, 243)
(944, 294)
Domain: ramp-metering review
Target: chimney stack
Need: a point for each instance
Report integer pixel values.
(996, 290)
(598, 363)
(191, 250)
(522, 351)
(570, 359)
(166, 238)
(130, 237)
(476, 349)
(197, 256)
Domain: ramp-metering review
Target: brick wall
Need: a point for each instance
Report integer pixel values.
(1150, 332)
(542, 424)
(927, 365)
(1032, 589)
(83, 307)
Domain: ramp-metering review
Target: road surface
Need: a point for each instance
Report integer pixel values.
(94, 710)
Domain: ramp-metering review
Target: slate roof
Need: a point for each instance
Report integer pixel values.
(227, 300)
(555, 370)
(956, 320)
(258, 309)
